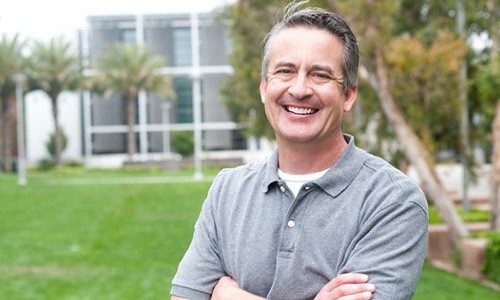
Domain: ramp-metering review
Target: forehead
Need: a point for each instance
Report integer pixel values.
(306, 45)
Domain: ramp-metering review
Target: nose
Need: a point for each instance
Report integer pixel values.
(300, 87)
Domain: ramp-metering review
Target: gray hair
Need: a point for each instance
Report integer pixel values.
(323, 20)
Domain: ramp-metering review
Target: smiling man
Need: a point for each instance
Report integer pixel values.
(320, 218)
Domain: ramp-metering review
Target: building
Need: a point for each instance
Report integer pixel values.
(196, 49)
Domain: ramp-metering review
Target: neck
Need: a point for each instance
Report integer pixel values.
(309, 158)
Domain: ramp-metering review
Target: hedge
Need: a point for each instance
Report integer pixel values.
(491, 266)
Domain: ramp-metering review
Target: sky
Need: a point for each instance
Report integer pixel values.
(44, 19)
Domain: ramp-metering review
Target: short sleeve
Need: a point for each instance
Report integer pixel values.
(201, 266)
(391, 247)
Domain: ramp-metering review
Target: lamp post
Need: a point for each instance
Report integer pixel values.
(165, 116)
(196, 76)
(21, 162)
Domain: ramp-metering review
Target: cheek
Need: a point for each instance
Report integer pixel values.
(274, 88)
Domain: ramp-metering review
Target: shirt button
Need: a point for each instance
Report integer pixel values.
(282, 188)
(291, 224)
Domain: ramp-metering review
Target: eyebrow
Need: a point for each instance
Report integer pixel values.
(284, 64)
(315, 67)
(322, 68)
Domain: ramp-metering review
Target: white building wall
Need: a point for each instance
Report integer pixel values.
(39, 125)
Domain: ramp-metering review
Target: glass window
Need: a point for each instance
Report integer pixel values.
(128, 36)
(184, 102)
(182, 47)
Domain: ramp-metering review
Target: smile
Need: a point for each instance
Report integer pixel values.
(300, 111)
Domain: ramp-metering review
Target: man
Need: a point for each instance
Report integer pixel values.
(320, 218)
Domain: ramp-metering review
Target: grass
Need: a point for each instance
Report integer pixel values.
(473, 215)
(117, 241)
(93, 241)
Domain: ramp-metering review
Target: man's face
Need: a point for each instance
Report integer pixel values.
(302, 94)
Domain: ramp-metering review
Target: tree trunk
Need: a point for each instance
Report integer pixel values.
(414, 150)
(57, 131)
(8, 133)
(130, 124)
(495, 203)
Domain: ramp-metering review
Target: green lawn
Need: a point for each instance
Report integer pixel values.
(117, 241)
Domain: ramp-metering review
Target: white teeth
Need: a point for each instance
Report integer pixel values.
(299, 110)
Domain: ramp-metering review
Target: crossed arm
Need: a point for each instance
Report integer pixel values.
(351, 286)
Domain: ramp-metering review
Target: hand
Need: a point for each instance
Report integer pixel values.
(350, 286)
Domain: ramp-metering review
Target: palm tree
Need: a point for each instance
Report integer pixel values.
(11, 62)
(127, 69)
(54, 68)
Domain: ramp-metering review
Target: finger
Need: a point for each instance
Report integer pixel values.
(348, 278)
(356, 291)
(359, 296)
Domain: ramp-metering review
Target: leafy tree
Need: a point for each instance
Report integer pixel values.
(424, 78)
(487, 87)
(251, 21)
(54, 68)
(127, 69)
(11, 62)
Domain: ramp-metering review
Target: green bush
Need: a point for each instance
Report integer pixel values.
(51, 143)
(491, 266)
(45, 164)
(183, 142)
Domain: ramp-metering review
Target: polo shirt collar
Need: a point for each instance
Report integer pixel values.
(336, 179)
(271, 171)
(345, 169)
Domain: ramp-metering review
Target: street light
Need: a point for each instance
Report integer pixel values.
(196, 76)
(21, 163)
(165, 116)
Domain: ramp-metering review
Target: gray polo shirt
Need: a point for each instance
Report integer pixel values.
(363, 216)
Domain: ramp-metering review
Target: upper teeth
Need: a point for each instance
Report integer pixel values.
(299, 110)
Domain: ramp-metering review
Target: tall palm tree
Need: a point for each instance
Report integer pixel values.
(54, 67)
(11, 62)
(127, 69)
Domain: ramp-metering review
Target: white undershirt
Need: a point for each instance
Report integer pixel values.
(295, 182)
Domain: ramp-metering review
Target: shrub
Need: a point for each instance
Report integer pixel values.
(51, 143)
(491, 266)
(183, 142)
(45, 164)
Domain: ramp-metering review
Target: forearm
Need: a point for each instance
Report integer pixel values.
(354, 285)
(227, 288)
(236, 293)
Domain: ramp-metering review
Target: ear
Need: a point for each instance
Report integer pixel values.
(350, 98)
(263, 88)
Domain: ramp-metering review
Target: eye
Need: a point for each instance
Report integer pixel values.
(284, 71)
(321, 77)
